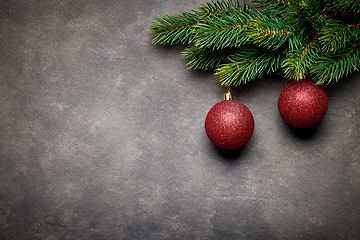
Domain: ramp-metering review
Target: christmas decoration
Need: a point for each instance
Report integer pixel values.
(229, 124)
(317, 38)
(302, 104)
(294, 38)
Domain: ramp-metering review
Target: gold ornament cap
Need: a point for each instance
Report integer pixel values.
(227, 95)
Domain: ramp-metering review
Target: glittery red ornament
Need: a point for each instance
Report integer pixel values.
(302, 104)
(229, 124)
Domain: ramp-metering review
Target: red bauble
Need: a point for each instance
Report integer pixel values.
(229, 124)
(302, 104)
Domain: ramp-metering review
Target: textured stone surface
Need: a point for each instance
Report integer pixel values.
(102, 137)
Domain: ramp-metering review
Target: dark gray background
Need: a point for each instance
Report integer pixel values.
(102, 137)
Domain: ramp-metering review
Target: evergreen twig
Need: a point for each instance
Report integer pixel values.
(295, 37)
(248, 64)
(337, 33)
(269, 32)
(224, 30)
(206, 58)
(212, 9)
(174, 29)
(351, 6)
(333, 66)
(297, 63)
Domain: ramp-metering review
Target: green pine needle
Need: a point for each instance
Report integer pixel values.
(297, 63)
(174, 29)
(205, 59)
(295, 37)
(269, 32)
(275, 7)
(351, 6)
(248, 64)
(337, 33)
(333, 66)
(212, 9)
(224, 30)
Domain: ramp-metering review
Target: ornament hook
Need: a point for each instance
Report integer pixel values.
(227, 95)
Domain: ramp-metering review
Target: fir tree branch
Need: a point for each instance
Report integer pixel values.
(295, 36)
(248, 64)
(212, 9)
(297, 63)
(275, 7)
(333, 66)
(337, 33)
(224, 30)
(174, 29)
(269, 32)
(349, 6)
(205, 59)
(307, 14)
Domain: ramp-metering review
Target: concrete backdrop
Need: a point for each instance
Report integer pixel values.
(102, 137)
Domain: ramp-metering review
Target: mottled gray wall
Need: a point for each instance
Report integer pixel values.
(102, 137)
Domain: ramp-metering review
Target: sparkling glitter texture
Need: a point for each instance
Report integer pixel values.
(302, 104)
(229, 124)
